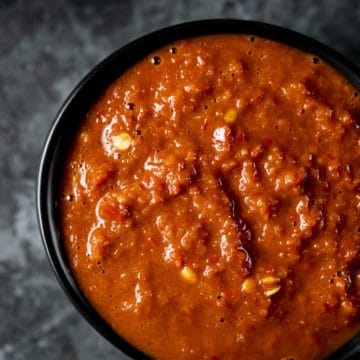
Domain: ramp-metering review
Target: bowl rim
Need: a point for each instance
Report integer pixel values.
(94, 83)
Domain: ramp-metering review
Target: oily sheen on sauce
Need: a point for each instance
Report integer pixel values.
(210, 202)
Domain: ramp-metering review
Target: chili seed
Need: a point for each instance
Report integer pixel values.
(122, 141)
(248, 286)
(188, 275)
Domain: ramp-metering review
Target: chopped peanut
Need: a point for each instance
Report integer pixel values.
(188, 275)
(248, 285)
(230, 116)
(122, 141)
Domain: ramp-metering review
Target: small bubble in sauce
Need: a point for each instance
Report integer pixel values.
(173, 50)
(69, 197)
(316, 60)
(130, 106)
(252, 38)
(156, 60)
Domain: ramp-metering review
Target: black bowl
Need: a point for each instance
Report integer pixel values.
(85, 94)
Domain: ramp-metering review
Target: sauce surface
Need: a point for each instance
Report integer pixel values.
(210, 203)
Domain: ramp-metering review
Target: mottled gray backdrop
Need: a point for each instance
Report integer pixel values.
(46, 47)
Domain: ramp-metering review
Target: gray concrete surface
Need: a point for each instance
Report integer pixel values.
(45, 49)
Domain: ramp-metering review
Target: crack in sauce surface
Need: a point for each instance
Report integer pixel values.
(210, 203)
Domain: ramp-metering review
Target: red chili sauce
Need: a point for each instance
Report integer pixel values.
(210, 203)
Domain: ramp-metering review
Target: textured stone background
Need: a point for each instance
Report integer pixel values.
(45, 49)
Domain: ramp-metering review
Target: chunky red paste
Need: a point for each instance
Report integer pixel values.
(210, 203)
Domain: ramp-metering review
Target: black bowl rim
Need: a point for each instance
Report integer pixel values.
(97, 80)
